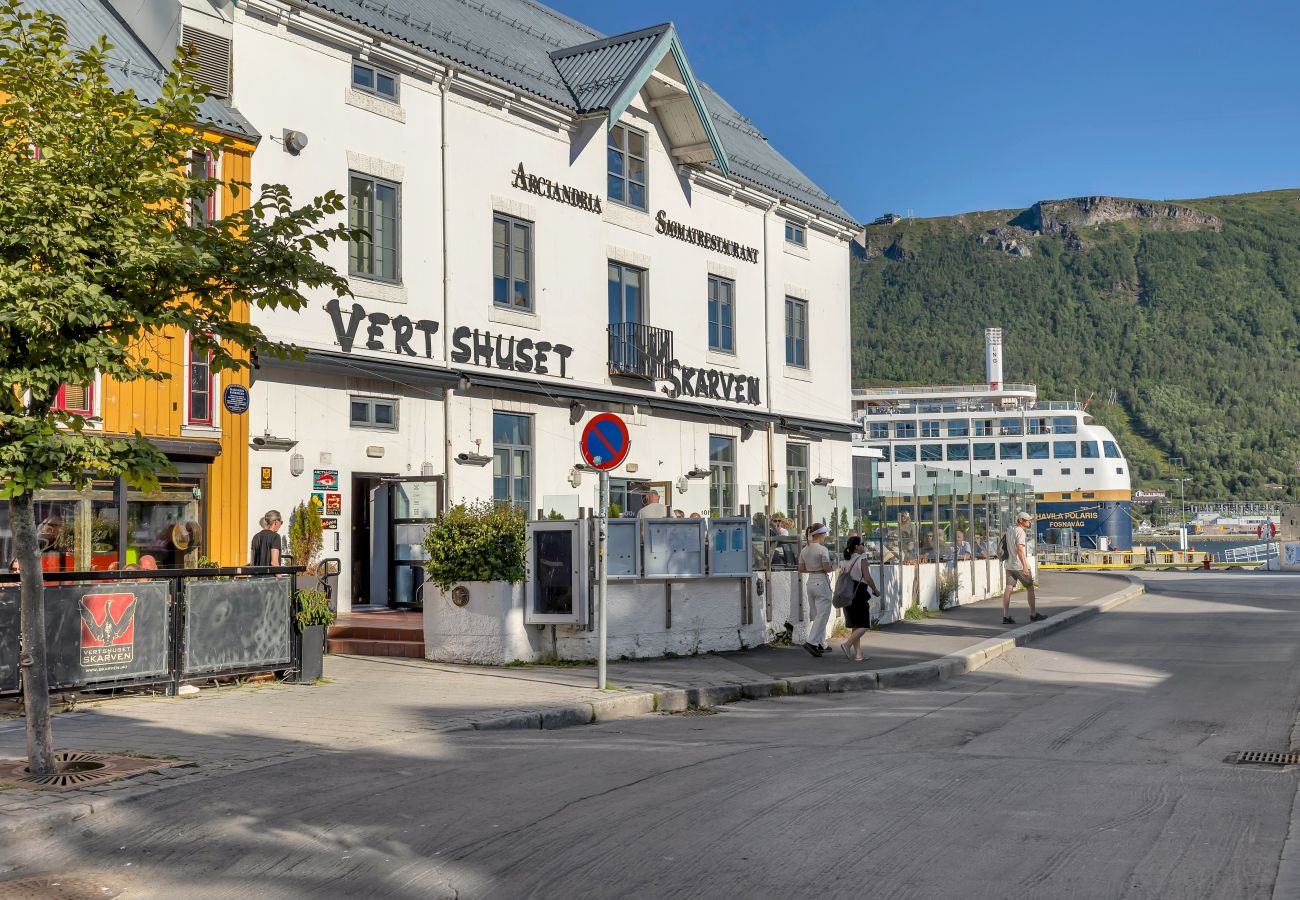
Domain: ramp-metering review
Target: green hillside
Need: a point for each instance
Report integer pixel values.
(1181, 319)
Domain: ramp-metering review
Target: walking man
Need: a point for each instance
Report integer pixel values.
(1017, 569)
(266, 543)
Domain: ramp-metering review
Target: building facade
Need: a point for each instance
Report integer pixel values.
(558, 224)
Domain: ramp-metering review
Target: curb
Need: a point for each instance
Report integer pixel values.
(680, 699)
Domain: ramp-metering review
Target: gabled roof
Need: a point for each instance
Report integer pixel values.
(606, 75)
(130, 66)
(512, 41)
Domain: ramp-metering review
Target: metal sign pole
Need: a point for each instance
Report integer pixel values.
(602, 571)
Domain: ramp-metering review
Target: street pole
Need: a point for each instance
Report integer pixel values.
(602, 573)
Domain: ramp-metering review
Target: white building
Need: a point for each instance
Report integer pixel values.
(562, 224)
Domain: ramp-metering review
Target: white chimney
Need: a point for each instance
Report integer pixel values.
(993, 357)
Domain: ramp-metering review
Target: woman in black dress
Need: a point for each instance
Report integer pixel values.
(857, 615)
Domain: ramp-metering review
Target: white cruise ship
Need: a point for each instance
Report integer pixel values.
(1003, 430)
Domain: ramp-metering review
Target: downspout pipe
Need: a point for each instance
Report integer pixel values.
(448, 394)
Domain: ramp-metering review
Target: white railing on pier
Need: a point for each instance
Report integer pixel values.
(1260, 553)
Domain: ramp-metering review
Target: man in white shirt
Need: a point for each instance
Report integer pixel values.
(1017, 569)
(653, 509)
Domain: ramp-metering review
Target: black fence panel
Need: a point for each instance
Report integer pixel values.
(239, 624)
(97, 633)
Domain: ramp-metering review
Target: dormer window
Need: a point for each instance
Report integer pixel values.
(374, 80)
(627, 166)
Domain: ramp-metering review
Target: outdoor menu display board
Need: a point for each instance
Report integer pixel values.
(674, 547)
(729, 547)
(623, 548)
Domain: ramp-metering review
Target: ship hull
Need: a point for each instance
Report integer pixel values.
(1090, 519)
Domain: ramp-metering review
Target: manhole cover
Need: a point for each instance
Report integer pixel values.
(78, 769)
(1267, 758)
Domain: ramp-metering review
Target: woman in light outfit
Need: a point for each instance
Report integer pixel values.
(815, 562)
(857, 615)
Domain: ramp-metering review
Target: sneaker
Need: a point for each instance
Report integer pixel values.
(815, 651)
(1007, 620)
(1038, 617)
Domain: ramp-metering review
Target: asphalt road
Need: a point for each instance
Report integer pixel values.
(1092, 765)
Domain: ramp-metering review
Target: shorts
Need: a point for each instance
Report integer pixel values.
(1017, 575)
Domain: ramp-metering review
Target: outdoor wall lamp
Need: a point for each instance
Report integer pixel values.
(296, 465)
(577, 410)
(746, 431)
(822, 480)
(575, 478)
(267, 441)
(426, 469)
(682, 485)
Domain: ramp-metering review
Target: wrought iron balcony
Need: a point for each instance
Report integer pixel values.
(639, 351)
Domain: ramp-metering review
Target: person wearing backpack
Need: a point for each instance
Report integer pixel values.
(1011, 550)
(853, 589)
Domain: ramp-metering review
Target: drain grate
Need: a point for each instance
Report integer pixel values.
(79, 769)
(1268, 758)
(697, 711)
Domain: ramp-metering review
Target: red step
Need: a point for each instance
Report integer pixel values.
(374, 647)
(378, 633)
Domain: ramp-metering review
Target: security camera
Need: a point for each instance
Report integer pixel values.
(472, 459)
(259, 441)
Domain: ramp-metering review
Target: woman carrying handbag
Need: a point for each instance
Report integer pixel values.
(857, 614)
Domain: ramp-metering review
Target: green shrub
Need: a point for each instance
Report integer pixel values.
(949, 584)
(306, 536)
(312, 608)
(480, 541)
(555, 515)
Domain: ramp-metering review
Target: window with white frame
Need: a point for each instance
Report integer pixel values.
(879, 430)
(722, 475)
(512, 262)
(200, 384)
(512, 459)
(374, 80)
(373, 208)
(374, 412)
(203, 164)
(626, 164)
(796, 478)
(929, 429)
(796, 332)
(722, 327)
(795, 234)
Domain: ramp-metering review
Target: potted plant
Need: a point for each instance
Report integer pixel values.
(313, 616)
(474, 605)
(306, 538)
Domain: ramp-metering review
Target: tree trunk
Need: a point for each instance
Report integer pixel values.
(32, 660)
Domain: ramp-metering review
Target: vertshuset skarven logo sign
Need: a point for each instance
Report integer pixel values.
(107, 629)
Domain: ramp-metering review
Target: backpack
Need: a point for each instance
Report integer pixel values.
(846, 588)
(1003, 553)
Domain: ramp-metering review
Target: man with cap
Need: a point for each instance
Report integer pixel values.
(1017, 569)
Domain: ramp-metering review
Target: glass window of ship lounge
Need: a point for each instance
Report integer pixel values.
(1065, 425)
(627, 166)
(722, 330)
(1010, 426)
(374, 80)
(905, 453)
(796, 478)
(958, 427)
(959, 452)
(1036, 449)
(1112, 452)
(984, 428)
(1039, 426)
(884, 451)
(1064, 449)
(512, 262)
(512, 459)
(986, 451)
(796, 332)
(929, 429)
(931, 452)
(722, 475)
(794, 234)
(372, 207)
(1088, 449)
(905, 430)
(373, 412)
(200, 385)
(878, 431)
(1015, 450)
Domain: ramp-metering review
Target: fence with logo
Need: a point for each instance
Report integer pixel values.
(116, 629)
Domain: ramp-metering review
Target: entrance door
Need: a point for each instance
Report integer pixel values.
(412, 505)
(362, 548)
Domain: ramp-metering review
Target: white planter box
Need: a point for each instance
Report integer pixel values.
(489, 630)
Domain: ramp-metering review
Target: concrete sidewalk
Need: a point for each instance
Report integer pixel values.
(367, 702)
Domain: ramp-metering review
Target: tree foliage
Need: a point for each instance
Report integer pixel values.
(1195, 334)
(481, 541)
(306, 535)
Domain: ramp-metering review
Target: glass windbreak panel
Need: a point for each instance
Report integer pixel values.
(1063, 449)
(162, 528)
(1036, 449)
(823, 505)
(985, 451)
(561, 506)
(1012, 450)
(553, 588)
(905, 453)
(1088, 449)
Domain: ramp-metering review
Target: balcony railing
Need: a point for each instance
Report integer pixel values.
(640, 351)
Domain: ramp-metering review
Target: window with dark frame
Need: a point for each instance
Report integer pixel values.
(512, 459)
(373, 208)
(512, 262)
(200, 384)
(626, 165)
(722, 329)
(795, 234)
(374, 80)
(796, 332)
(373, 412)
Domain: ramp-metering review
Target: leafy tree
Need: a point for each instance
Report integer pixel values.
(97, 253)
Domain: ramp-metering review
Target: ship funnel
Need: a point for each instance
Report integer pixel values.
(993, 357)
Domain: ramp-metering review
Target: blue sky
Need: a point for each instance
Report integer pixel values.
(945, 107)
